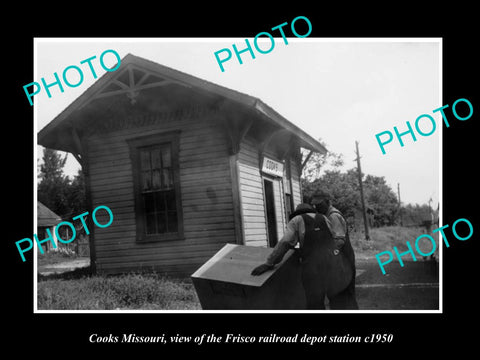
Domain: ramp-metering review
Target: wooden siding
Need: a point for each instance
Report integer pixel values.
(251, 195)
(206, 193)
(296, 193)
(279, 195)
(279, 206)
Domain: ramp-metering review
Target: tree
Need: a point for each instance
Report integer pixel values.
(343, 188)
(321, 172)
(318, 162)
(51, 190)
(75, 194)
(417, 214)
(52, 166)
(63, 196)
(381, 199)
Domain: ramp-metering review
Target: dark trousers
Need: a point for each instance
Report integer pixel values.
(344, 300)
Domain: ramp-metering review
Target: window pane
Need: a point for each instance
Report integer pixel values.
(157, 188)
(156, 180)
(161, 222)
(148, 203)
(150, 223)
(172, 221)
(144, 159)
(167, 180)
(146, 180)
(160, 200)
(170, 200)
(288, 204)
(166, 156)
(156, 158)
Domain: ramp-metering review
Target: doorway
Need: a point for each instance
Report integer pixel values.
(270, 212)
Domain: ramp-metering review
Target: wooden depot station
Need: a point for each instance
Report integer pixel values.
(185, 165)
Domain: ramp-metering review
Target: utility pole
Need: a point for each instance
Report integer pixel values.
(359, 170)
(399, 205)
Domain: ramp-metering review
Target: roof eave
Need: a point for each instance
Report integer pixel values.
(308, 142)
(190, 80)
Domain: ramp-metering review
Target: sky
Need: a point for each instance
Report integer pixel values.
(339, 90)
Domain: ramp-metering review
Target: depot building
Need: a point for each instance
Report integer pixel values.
(185, 166)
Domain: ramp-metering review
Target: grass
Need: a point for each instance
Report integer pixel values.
(385, 238)
(55, 257)
(122, 292)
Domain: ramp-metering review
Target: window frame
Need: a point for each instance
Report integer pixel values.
(135, 145)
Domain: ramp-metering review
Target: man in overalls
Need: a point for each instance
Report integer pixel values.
(327, 257)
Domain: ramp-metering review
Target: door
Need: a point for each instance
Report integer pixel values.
(270, 212)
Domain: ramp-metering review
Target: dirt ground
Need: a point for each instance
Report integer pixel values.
(415, 286)
(61, 267)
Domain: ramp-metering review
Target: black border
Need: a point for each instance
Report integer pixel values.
(427, 333)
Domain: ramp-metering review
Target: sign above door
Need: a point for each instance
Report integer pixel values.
(272, 167)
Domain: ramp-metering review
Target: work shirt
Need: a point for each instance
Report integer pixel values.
(295, 233)
(338, 225)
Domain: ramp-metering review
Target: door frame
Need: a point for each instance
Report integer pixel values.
(272, 233)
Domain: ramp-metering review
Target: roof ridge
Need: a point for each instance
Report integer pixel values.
(190, 81)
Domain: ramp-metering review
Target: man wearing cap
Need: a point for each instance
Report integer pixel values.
(327, 258)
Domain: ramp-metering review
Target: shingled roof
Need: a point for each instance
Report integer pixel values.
(46, 217)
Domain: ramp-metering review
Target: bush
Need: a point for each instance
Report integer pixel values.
(131, 291)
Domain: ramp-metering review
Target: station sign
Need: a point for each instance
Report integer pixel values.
(272, 167)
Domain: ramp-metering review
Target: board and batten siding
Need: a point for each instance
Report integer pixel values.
(206, 195)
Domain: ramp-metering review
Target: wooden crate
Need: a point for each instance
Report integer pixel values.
(224, 282)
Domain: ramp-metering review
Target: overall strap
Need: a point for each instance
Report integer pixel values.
(317, 234)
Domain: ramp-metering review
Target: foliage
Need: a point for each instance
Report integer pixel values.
(417, 214)
(319, 162)
(342, 187)
(56, 191)
(51, 188)
(53, 257)
(381, 200)
(344, 190)
(129, 291)
(75, 194)
(322, 172)
(385, 239)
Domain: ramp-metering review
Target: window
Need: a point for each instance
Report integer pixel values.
(287, 183)
(157, 189)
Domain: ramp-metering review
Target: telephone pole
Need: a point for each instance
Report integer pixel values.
(359, 170)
